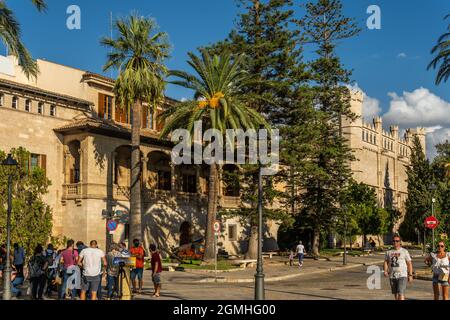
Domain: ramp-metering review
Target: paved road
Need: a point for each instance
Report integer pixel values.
(344, 284)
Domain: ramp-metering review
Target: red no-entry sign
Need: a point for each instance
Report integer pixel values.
(431, 222)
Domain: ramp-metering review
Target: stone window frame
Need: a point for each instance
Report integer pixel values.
(28, 105)
(232, 236)
(52, 110)
(40, 108)
(15, 102)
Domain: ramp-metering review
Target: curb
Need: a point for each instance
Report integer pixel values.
(286, 277)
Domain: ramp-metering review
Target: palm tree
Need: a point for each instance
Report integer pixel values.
(220, 104)
(442, 59)
(10, 34)
(138, 54)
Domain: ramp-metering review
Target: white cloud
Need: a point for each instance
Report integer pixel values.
(435, 137)
(402, 55)
(421, 108)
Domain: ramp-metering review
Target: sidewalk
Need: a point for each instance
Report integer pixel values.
(274, 270)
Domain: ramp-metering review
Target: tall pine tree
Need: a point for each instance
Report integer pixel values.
(418, 205)
(327, 171)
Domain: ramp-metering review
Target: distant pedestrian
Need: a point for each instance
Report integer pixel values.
(440, 266)
(137, 251)
(37, 269)
(91, 260)
(300, 251)
(123, 250)
(112, 270)
(291, 258)
(18, 258)
(68, 262)
(398, 267)
(80, 246)
(156, 270)
(372, 244)
(50, 255)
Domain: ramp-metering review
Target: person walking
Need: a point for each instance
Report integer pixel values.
(37, 268)
(398, 267)
(137, 251)
(300, 251)
(68, 261)
(112, 270)
(18, 258)
(291, 258)
(80, 246)
(91, 260)
(50, 255)
(440, 265)
(156, 270)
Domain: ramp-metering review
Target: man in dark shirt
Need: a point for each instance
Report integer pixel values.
(156, 270)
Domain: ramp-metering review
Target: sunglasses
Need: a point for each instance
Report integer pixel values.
(395, 241)
(441, 246)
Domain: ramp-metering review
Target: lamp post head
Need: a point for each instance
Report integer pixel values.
(432, 187)
(10, 162)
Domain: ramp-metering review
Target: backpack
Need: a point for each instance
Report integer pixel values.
(35, 267)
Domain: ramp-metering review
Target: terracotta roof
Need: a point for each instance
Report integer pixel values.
(34, 90)
(110, 128)
(111, 80)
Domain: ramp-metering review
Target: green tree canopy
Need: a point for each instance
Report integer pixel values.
(31, 218)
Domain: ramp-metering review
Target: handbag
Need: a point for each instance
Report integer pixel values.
(443, 276)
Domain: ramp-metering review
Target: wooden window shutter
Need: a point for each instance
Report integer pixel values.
(144, 116)
(159, 124)
(44, 162)
(101, 105)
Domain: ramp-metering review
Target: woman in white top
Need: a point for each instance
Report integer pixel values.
(440, 265)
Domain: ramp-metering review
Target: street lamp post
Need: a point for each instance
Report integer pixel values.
(259, 276)
(9, 163)
(433, 200)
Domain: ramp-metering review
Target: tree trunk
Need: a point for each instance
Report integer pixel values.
(316, 242)
(135, 192)
(211, 215)
(252, 251)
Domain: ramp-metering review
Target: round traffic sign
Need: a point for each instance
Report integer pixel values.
(111, 225)
(431, 222)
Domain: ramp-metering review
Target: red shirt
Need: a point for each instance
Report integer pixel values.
(139, 251)
(156, 259)
(69, 256)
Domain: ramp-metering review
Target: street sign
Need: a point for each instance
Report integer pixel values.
(216, 227)
(111, 225)
(431, 222)
(122, 215)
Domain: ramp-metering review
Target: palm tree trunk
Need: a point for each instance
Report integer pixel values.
(211, 215)
(135, 192)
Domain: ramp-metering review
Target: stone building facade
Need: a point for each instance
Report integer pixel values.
(382, 156)
(67, 118)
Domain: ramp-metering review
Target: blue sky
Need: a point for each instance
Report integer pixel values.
(390, 60)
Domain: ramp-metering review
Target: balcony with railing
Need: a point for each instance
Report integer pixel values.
(72, 191)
